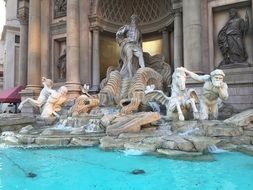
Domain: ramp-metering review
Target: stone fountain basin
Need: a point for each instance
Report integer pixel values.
(183, 138)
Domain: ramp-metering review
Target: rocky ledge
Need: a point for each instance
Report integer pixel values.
(182, 138)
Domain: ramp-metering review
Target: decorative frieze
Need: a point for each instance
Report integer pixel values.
(23, 11)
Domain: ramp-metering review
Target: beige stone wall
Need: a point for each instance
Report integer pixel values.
(109, 53)
(153, 46)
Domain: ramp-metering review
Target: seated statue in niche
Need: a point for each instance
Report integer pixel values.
(231, 39)
(214, 89)
(129, 39)
(61, 65)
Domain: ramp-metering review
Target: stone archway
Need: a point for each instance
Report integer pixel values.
(109, 15)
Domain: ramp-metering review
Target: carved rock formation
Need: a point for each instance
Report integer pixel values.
(157, 63)
(131, 123)
(128, 93)
(83, 104)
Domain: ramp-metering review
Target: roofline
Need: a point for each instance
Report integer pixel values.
(10, 28)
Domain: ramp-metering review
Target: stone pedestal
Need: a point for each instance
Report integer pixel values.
(28, 109)
(240, 84)
(192, 35)
(73, 49)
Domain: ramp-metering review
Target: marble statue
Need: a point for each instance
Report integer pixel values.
(231, 39)
(44, 94)
(55, 102)
(61, 65)
(129, 39)
(181, 101)
(213, 89)
(84, 103)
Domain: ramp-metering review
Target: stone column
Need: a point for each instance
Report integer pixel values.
(178, 40)
(33, 87)
(45, 13)
(165, 49)
(95, 60)
(85, 43)
(73, 49)
(34, 47)
(192, 35)
(23, 14)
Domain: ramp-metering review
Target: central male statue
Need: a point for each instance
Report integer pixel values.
(213, 88)
(130, 40)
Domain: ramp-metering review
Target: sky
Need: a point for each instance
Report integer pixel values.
(2, 15)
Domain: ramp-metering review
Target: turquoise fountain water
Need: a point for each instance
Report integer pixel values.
(91, 168)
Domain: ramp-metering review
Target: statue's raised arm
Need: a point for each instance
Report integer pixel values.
(199, 78)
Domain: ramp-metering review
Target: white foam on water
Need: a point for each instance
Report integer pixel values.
(4, 146)
(214, 149)
(133, 152)
(188, 132)
(62, 125)
(8, 134)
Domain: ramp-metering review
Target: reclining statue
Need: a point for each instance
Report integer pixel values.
(44, 94)
(213, 89)
(49, 101)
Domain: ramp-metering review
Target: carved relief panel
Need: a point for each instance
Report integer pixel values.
(60, 8)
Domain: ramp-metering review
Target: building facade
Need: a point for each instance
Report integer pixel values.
(2, 54)
(10, 40)
(73, 42)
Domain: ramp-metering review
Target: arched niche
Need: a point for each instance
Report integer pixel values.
(108, 16)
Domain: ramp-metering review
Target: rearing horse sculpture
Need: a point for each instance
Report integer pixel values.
(181, 100)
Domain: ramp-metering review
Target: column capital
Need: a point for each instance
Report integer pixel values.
(165, 30)
(177, 4)
(178, 12)
(23, 11)
(96, 29)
